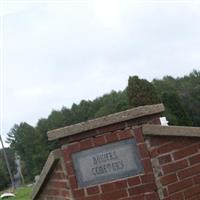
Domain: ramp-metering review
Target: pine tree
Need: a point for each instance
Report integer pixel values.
(175, 112)
(141, 92)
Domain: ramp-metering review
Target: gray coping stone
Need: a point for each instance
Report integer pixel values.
(186, 131)
(105, 121)
(53, 158)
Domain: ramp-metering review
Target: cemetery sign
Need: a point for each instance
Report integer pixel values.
(108, 162)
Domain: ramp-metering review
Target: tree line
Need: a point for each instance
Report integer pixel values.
(181, 97)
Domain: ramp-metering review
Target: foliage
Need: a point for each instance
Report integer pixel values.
(24, 140)
(141, 92)
(112, 103)
(187, 90)
(175, 112)
(4, 175)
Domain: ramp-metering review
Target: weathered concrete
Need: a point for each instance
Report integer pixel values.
(150, 129)
(104, 121)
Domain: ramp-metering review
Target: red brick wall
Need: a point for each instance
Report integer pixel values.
(171, 167)
(56, 187)
(176, 161)
(139, 187)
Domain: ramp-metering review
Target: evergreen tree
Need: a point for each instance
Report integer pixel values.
(188, 90)
(24, 140)
(141, 92)
(112, 103)
(175, 112)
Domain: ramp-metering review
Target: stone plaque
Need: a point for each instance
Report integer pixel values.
(108, 162)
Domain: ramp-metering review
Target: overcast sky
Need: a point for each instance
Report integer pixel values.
(60, 52)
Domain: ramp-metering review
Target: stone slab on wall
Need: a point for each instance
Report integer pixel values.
(107, 162)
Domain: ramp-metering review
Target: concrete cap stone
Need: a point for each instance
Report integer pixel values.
(158, 130)
(130, 114)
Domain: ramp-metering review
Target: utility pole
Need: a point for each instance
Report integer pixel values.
(7, 164)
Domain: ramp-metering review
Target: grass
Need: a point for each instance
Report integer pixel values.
(22, 193)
